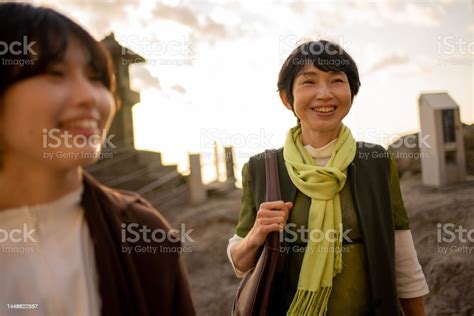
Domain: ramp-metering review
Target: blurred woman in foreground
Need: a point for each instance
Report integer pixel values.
(67, 250)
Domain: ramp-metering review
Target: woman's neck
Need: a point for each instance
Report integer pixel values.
(318, 139)
(35, 184)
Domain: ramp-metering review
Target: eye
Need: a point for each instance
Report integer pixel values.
(93, 75)
(308, 82)
(55, 72)
(338, 80)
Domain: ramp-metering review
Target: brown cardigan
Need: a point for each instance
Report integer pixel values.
(138, 283)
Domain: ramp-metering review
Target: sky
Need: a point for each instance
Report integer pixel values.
(212, 66)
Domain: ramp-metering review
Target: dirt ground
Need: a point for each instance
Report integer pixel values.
(211, 276)
(450, 275)
(448, 265)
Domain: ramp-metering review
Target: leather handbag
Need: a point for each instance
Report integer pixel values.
(255, 291)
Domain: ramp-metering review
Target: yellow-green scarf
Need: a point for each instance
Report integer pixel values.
(322, 259)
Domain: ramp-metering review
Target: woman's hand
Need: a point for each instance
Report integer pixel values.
(271, 217)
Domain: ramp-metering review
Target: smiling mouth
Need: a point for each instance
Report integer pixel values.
(324, 109)
(80, 124)
(86, 127)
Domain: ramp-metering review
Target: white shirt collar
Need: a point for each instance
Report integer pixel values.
(322, 152)
(65, 202)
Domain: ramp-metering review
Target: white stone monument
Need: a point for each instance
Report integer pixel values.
(442, 151)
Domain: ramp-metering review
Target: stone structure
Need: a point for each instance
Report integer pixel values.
(442, 152)
(124, 167)
(122, 126)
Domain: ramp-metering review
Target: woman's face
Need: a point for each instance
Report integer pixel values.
(58, 118)
(321, 99)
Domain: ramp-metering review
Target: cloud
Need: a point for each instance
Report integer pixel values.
(388, 61)
(204, 26)
(142, 78)
(298, 7)
(399, 64)
(423, 14)
(426, 14)
(470, 28)
(179, 89)
(96, 17)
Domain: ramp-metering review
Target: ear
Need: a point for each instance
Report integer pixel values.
(284, 99)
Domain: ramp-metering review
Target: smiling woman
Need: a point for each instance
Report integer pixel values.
(329, 182)
(56, 105)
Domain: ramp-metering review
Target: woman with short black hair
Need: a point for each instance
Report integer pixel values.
(346, 240)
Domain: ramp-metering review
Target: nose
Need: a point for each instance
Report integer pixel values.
(84, 93)
(323, 92)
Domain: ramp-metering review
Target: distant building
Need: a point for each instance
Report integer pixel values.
(124, 167)
(445, 153)
(122, 126)
(443, 157)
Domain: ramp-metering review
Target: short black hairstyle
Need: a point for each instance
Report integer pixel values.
(33, 38)
(324, 55)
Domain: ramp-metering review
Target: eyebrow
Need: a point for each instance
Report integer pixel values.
(315, 74)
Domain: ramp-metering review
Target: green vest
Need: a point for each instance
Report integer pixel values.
(373, 208)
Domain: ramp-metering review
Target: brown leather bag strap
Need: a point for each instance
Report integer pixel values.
(271, 176)
(254, 296)
(272, 192)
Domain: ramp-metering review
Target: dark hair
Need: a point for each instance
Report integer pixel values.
(322, 54)
(40, 37)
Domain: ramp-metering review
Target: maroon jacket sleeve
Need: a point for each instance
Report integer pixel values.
(137, 275)
(159, 265)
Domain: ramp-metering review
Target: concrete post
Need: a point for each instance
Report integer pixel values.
(197, 192)
(229, 165)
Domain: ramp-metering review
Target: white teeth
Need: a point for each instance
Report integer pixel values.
(324, 109)
(89, 124)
